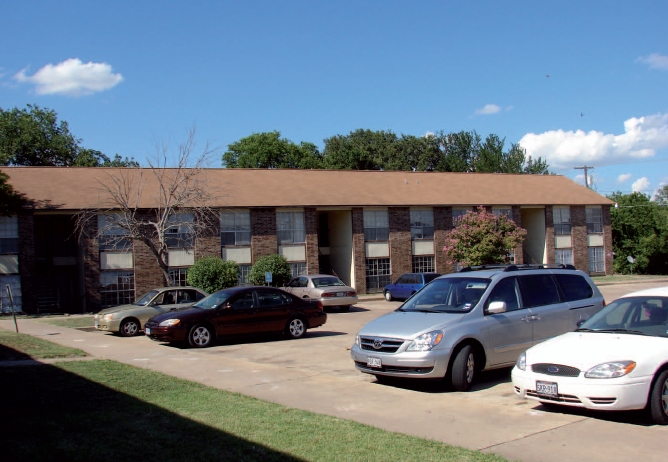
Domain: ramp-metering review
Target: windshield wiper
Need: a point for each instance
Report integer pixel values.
(626, 331)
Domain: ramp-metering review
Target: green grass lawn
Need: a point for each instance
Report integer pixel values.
(104, 410)
(15, 346)
(70, 321)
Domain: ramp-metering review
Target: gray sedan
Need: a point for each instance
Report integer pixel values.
(327, 289)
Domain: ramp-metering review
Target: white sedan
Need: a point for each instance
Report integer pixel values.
(617, 360)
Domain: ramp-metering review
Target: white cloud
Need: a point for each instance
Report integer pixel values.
(655, 61)
(640, 185)
(624, 177)
(641, 139)
(72, 78)
(488, 109)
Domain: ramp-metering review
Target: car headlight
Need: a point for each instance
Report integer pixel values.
(357, 340)
(107, 317)
(521, 362)
(611, 370)
(426, 342)
(169, 323)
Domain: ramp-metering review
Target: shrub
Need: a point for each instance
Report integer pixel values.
(275, 264)
(213, 274)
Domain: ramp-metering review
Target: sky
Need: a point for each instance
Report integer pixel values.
(578, 83)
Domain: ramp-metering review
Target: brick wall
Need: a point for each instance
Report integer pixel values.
(549, 234)
(442, 225)
(607, 241)
(519, 250)
(91, 263)
(311, 224)
(264, 240)
(27, 263)
(401, 251)
(580, 247)
(208, 244)
(359, 250)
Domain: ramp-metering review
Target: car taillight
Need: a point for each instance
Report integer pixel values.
(322, 308)
(351, 294)
(328, 294)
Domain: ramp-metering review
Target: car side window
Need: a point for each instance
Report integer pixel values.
(505, 291)
(168, 298)
(415, 279)
(403, 279)
(294, 283)
(574, 287)
(244, 302)
(267, 299)
(303, 282)
(186, 296)
(538, 290)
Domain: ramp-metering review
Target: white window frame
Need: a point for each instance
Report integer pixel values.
(596, 259)
(594, 218)
(561, 219)
(378, 274)
(422, 224)
(125, 294)
(112, 239)
(9, 235)
(563, 256)
(458, 212)
(423, 264)
(376, 225)
(237, 225)
(179, 276)
(290, 227)
(181, 235)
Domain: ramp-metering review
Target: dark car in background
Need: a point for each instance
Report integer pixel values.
(407, 285)
(237, 311)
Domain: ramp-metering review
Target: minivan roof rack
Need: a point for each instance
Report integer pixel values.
(517, 267)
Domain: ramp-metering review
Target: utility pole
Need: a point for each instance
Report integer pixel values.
(585, 168)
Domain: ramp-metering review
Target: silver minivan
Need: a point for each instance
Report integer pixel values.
(474, 320)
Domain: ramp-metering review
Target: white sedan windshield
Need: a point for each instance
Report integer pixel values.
(634, 315)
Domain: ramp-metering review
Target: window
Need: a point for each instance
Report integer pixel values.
(244, 271)
(423, 264)
(244, 302)
(505, 291)
(9, 235)
(563, 256)
(112, 228)
(574, 287)
(181, 235)
(298, 268)
(594, 216)
(422, 224)
(505, 211)
(179, 276)
(562, 220)
(376, 225)
(377, 274)
(291, 229)
(596, 260)
(457, 214)
(268, 299)
(118, 288)
(538, 290)
(235, 228)
(14, 283)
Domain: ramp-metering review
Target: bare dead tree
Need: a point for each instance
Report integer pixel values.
(159, 206)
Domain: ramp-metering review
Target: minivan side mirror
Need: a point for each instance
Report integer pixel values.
(497, 307)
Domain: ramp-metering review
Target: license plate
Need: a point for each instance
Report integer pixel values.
(340, 294)
(546, 388)
(373, 361)
(148, 331)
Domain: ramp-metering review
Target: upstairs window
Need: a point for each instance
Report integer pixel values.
(181, 235)
(457, 214)
(113, 231)
(561, 217)
(505, 211)
(9, 235)
(291, 228)
(376, 225)
(235, 228)
(594, 216)
(422, 224)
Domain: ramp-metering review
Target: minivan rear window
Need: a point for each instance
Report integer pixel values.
(448, 295)
(574, 287)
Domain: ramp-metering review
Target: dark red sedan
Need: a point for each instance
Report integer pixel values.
(237, 311)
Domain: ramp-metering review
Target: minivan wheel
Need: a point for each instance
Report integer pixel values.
(128, 328)
(658, 399)
(463, 369)
(388, 296)
(200, 336)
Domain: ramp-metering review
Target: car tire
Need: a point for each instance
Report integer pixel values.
(200, 336)
(296, 328)
(658, 399)
(463, 369)
(388, 296)
(344, 308)
(129, 328)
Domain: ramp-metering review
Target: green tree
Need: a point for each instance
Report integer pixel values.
(275, 264)
(269, 150)
(481, 238)
(34, 137)
(661, 196)
(361, 150)
(212, 274)
(640, 230)
(10, 199)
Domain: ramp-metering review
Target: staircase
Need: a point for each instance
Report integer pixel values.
(47, 300)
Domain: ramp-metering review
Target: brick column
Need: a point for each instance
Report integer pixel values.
(580, 247)
(27, 263)
(264, 240)
(517, 218)
(91, 263)
(148, 274)
(442, 226)
(400, 241)
(607, 241)
(549, 234)
(311, 224)
(208, 244)
(359, 250)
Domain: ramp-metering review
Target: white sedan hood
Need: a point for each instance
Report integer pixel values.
(585, 350)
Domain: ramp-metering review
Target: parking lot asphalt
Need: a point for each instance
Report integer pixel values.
(316, 374)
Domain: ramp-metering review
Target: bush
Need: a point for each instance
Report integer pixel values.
(277, 265)
(213, 274)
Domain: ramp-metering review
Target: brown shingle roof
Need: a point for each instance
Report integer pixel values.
(73, 188)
